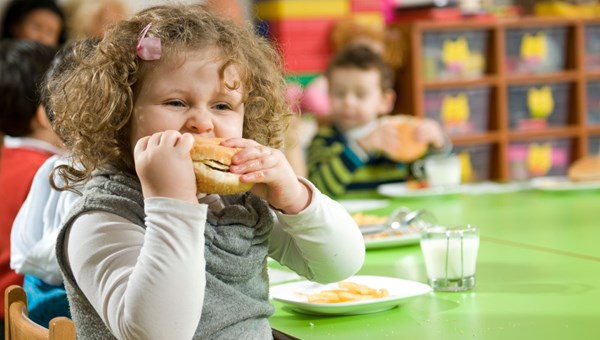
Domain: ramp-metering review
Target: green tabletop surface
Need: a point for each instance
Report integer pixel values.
(538, 274)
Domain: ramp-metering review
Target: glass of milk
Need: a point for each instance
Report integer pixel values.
(450, 256)
(438, 170)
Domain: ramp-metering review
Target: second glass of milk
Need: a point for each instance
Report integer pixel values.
(450, 256)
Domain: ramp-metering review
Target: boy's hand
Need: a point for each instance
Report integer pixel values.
(384, 138)
(430, 132)
(164, 165)
(274, 177)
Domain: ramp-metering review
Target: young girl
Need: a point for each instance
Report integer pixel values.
(141, 255)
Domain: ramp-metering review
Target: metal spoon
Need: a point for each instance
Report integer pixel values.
(417, 218)
(401, 219)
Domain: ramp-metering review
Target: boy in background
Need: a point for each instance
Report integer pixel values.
(29, 139)
(353, 152)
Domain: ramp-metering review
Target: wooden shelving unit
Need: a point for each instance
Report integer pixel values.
(500, 134)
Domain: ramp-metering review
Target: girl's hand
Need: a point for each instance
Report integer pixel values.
(164, 165)
(430, 132)
(274, 177)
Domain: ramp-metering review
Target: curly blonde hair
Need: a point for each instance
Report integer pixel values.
(93, 101)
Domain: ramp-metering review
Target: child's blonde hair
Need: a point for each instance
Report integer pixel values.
(93, 101)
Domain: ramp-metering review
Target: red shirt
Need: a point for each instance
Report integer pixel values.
(17, 168)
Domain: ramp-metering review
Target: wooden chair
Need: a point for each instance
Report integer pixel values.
(18, 326)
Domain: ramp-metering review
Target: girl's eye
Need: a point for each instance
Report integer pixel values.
(222, 106)
(176, 103)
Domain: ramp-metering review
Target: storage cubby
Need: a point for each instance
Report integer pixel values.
(509, 92)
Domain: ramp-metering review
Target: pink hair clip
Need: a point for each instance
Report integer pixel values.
(148, 48)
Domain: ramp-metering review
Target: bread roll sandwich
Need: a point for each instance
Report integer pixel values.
(585, 169)
(211, 166)
(410, 148)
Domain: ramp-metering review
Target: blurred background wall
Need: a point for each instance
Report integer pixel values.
(137, 5)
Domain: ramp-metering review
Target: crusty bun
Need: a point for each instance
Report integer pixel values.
(410, 149)
(585, 169)
(211, 166)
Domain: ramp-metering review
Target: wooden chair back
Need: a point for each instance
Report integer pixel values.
(18, 325)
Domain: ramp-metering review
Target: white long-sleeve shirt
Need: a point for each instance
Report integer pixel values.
(34, 231)
(131, 275)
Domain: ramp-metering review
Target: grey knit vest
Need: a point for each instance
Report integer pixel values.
(236, 304)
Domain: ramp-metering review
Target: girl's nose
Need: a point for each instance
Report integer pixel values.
(199, 121)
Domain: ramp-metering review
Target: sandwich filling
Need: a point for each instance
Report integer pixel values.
(216, 165)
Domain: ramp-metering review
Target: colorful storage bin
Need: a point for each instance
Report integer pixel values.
(593, 102)
(459, 111)
(304, 43)
(538, 106)
(539, 158)
(535, 50)
(475, 162)
(366, 5)
(454, 54)
(592, 43)
(301, 9)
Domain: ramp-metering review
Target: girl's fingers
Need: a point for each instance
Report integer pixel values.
(141, 145)
(154, 139)
(185, 141)
(250, 153)
(255, 164)
(239, 143)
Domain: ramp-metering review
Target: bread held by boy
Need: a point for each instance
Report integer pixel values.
(411, 148)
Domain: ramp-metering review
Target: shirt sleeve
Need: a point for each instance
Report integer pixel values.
(130, 274)
(322, 242)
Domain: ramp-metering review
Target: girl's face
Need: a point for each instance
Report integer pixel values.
(189, 96)
(356, 97)
(40, 25)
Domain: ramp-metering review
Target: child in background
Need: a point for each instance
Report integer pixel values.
(39, 20)
(348, 32)
(34, 231)
(142, 256)
(29, 139)
(314, 99)
(90, 18)
(351, 153)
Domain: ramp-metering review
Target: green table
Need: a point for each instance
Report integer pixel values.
(538, 274)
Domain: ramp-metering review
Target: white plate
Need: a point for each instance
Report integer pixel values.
(402, 190)
(358, 205)
(562, 184)
(488, 187)
(294, 295)
(393, 241)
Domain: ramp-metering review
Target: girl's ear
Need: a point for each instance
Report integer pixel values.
(387, 103)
